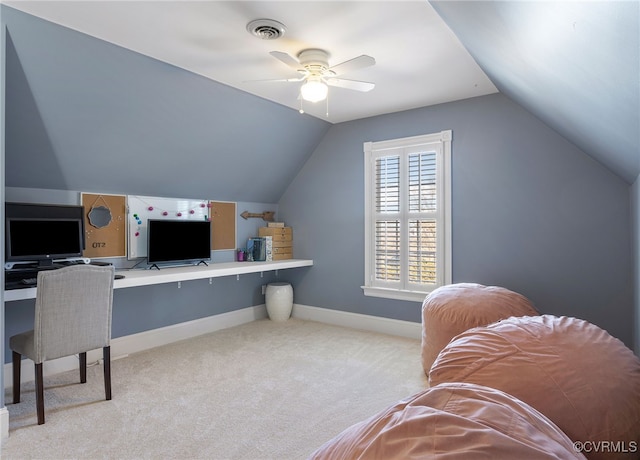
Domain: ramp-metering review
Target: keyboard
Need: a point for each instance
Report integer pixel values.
(22, 279)
(13, 279)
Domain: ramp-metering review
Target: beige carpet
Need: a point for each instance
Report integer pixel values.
(263, 390)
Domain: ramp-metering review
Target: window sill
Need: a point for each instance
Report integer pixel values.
(396, 294)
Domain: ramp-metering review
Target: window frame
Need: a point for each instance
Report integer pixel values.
(403, 290)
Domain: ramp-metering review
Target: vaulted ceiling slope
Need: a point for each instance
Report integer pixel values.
(575, 65)
(84, 114)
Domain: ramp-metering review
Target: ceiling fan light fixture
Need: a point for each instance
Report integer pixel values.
(314, 90)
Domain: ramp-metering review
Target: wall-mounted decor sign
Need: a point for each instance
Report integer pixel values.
(104, 225)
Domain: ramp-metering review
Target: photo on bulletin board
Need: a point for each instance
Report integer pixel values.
(104, 225)
(223, 225)
(143, 208)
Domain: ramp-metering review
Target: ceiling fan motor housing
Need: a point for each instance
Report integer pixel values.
(315, 61)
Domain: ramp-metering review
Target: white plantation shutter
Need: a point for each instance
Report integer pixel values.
(387, 247)
(387, 233)
(388, 184)
(423, 201)
(422, 252)
(407, 233)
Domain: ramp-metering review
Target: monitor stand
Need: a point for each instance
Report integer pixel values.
(47, 264)
(186, 264)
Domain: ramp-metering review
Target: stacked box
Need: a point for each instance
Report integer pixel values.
(282, 241)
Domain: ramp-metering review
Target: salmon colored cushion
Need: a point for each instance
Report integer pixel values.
(453, 421)
(452, 309)
(583, 379)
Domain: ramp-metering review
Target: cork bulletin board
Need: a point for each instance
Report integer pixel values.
(223, 225)
(104, 225)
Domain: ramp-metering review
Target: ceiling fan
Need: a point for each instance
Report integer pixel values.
(314, 70)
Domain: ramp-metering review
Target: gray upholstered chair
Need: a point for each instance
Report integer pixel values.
(72, 316)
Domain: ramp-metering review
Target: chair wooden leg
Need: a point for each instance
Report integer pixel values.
(83, 367)
(106, 358)
(39, 393)
(16, 361)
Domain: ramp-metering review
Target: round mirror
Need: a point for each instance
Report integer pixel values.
(100, 216)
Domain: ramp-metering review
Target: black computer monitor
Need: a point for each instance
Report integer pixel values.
(178, 241)
(43, 239)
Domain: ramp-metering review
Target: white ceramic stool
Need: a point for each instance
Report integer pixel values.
(279, 301)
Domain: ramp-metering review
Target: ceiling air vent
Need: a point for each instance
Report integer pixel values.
(266, 29)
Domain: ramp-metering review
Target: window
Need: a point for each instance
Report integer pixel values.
(407, 216)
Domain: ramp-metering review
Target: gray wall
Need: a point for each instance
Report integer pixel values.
(2, 169)
(635, 213)
(531, 212)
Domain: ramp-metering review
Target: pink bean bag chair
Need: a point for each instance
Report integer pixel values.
(453, 421)
(452, 309)
(583, 379)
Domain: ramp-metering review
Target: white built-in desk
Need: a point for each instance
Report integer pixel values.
(144, 277)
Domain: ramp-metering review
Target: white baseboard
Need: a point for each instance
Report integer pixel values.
(359, 321)
(123, 346)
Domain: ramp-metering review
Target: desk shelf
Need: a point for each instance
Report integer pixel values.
(145, 277)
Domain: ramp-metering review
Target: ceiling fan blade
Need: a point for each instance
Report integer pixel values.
(276, 80)
(356, 63)
(363, 86)
(288, 60)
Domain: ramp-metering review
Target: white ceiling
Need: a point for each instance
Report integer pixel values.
(419, 61)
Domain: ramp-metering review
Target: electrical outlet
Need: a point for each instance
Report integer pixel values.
(264, 288)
